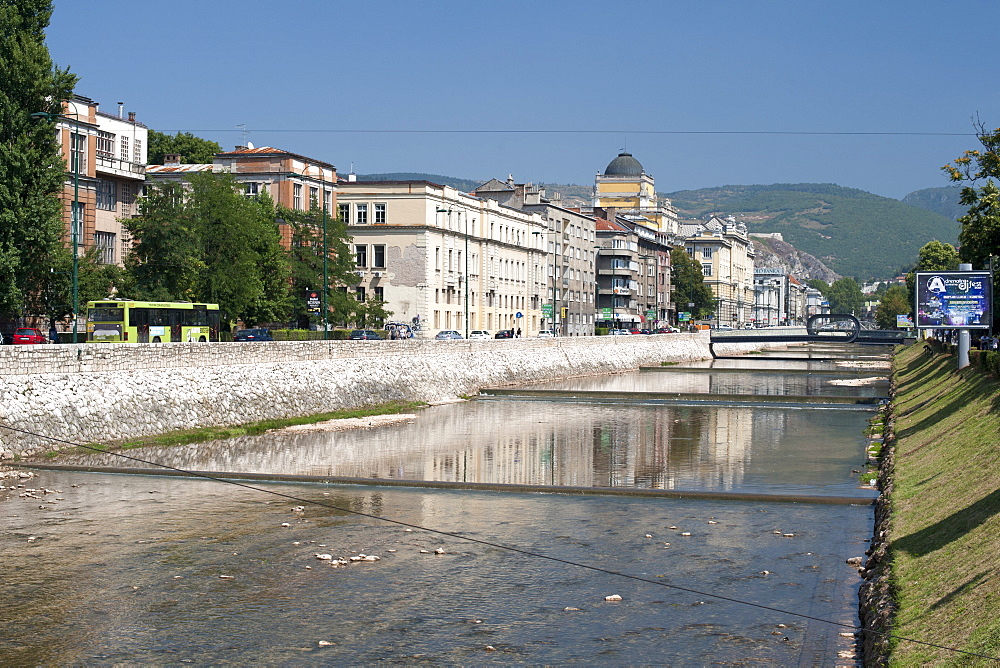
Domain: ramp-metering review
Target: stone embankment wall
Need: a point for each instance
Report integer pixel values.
(93, 393)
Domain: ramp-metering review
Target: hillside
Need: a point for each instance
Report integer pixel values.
(940, 200)
(854, 232)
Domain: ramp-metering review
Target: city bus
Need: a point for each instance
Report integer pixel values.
(130, 321)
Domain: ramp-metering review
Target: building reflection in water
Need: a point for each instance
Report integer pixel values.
(557, 443)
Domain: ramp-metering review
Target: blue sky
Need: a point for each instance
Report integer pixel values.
(550, 91)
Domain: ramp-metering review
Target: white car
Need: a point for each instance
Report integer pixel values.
(619, 332)
(479, 334)
(546, 334)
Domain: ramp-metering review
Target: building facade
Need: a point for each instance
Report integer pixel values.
(568, 308)
(726, 254)
(446, 260)
(625, 190)
(106, 163)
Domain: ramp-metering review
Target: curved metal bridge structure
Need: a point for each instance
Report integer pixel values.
(834, 328)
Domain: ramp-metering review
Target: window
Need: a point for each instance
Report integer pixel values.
(706, 269)
(360, 294)
(297, 196)
(361, 255)
(378, 255)
(252, 188)
(379, 214)
(379, 293)
(344, 212)
(707, 252)
(313, 197)
(123, 153)
(104, 242)
(107, 196)
(105, 145)
(137, 152)
(79, 153)
(326, 200)
(76, 225)
(361, 213)
(126, 199)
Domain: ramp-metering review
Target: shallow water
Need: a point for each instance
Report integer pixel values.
(128, 570)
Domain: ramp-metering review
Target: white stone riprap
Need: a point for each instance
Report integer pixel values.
(98, 393)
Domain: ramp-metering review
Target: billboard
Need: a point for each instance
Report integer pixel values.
(954, 299)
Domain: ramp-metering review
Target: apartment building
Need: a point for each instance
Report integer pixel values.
(292, 180)
(445, 259)
(633, 275)
(569, 238)
(106, 163)
(726, 254)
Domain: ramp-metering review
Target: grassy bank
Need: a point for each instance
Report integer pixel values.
(945, 537)
(215, 433)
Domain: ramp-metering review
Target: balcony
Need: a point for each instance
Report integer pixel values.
(108, 164)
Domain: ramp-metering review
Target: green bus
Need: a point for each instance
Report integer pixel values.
(151, 322)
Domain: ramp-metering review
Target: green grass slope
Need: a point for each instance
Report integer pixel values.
(945, 534)
(855, 232)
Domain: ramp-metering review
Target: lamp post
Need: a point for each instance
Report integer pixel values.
(552, 325)
(326, 280)
(75, 216)
(465, 278)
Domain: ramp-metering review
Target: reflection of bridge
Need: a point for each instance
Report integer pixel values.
(821, 328)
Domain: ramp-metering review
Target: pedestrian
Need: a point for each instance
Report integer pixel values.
(53, 334)
(518, 332)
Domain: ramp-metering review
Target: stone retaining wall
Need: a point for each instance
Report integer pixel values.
(105, 392)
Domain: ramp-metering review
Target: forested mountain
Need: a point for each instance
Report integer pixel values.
(940, 200)
(854, 232)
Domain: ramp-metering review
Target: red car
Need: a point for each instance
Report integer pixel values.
(28, 335)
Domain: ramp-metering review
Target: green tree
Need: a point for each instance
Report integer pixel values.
(688, 285)
(32, 170)
(894, 302)
(818, 284)
(190, 148)
(979, 238)
(845, 296)
(306, 260)
(933, 256)
(208, 242)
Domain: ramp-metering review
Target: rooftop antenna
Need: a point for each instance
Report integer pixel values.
(243, 126)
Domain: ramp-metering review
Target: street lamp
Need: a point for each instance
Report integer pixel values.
(74, 156)
(465, 278)
(553, 323)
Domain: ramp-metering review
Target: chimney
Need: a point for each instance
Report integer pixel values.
(171, 159)
(131, 117)
(121, 110)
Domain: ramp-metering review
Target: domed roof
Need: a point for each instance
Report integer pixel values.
(624, 165)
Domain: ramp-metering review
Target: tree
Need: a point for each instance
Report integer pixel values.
(933, 256)
(209, 242)
(688, 285)
(306, 262)
(818, 284)
(894, 302)
(32, 170)
(845, 296)
(190, 148)
(980, 235)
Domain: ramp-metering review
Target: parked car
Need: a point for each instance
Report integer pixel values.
(364, 335)
(479, 334)
(504, 334)
(28, 335)
(645, 331)
(634, 330)
(546, 334)
(619, 332)
(253, 334)
(723, 328)
(446, 334)
(749, 325)
(667, 330)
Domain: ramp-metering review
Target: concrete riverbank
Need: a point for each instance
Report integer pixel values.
(99, 393)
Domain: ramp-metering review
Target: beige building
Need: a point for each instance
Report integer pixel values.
(626, 190)
(726, 254)
(445, 259)
(106, 163)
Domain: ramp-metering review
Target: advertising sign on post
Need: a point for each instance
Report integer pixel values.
(954, 299)
(313, 300)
